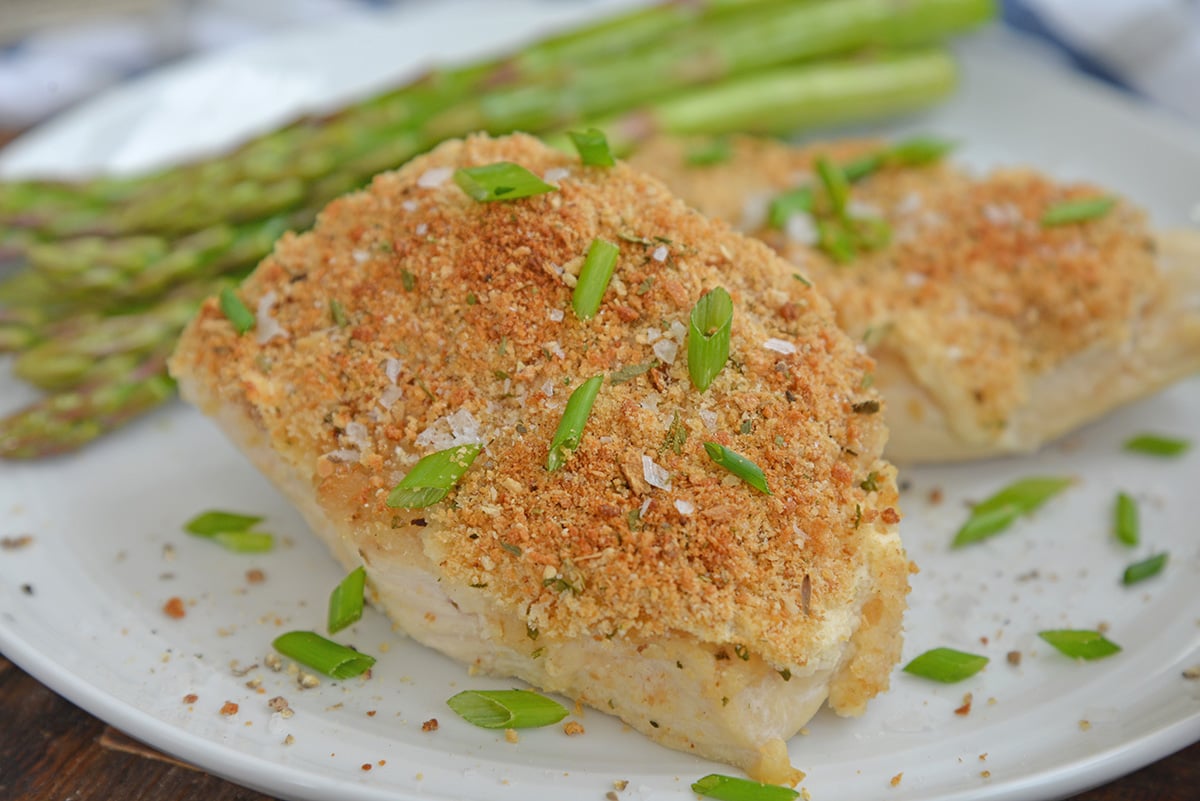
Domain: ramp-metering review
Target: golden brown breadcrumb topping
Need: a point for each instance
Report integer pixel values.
(458, 327)
(972, 282)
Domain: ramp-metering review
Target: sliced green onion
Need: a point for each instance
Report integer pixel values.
(715, 151)
(835, 183)
(1140, 571)
(1081, 210)
(346, 600)
(320, 654)
(570, 427)
(593, 280)
(507, 709)
(794, 201)
(500, 181)
(946, 665)
(917, 151)
(730, 788)
(871, 233)
(236, 311)
(206, 524)
(739, 465)
(1156, 445)
(338, 313)
(245, 541)
(1126, 522)
(993, 515)
(708, 337)
(593, 148)
(432, 478)
(1080, 643)
(861, 167)
(836, 240)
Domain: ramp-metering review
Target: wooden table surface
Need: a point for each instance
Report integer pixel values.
(51, 750)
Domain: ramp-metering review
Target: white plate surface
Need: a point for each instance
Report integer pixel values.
(108, 549)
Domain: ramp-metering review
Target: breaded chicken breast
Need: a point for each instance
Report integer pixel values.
(640, 578)
(993, 333)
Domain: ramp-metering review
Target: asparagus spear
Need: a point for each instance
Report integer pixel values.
(755, 40)
(793, 99)
(301, 148)
(79, 351)
(110, 274)
(67, 421)
(750, 35)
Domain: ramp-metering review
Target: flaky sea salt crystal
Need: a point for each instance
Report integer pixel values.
(434, 177)
(666, 350)
(655, 474)
(392, 368)
(266, 326)
(390, 395)
(660, 253)
(556, 174)
(801, 229)
(684, 507)
(780, 346)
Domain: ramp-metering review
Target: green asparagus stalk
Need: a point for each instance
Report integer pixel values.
(751, 35)
(793, 99)
(111, 274)
(759, 39)
(80, 351)
(66, 421)
(304, 148)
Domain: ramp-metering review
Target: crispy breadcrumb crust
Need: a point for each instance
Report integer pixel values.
(974, 295)
(451, 307)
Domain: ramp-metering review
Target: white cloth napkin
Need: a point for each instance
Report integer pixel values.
(1151, 46)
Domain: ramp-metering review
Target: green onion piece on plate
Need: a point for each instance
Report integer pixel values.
(245, 541)
(320, 654)
(500, 181)
(432, 478)
(1140, 571)
(507, 709)
(594, 276)
(1157, 445)
(1080, 643)
(1074, 211)
(235, 311)
(346, 600)
(206, 524)
(1126, 525)
(793, 201)
(593, 147)
(708, 337)
(946, 665)
(995, 514)
(739, 465)
(570, 427)
(715, 151)
(730, 788)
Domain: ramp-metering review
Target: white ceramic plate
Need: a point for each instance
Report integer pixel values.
(108, 549)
